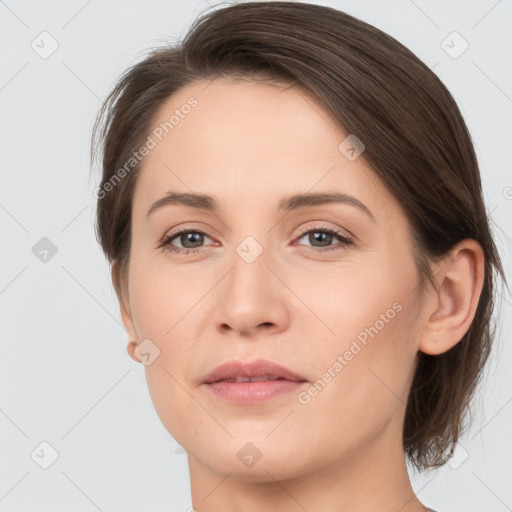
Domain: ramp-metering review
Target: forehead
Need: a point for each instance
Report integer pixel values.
(250, 141)
(245, 119)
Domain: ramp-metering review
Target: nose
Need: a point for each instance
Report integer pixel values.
(252, 299)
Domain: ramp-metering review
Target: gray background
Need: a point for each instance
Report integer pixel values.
(66, 378)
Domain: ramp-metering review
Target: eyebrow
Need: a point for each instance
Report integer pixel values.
(287, 204)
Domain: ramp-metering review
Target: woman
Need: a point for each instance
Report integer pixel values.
(292, 208)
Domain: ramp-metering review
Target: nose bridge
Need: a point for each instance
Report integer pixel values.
(252, 295)
(249, 276)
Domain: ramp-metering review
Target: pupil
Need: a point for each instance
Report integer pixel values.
(322, 235)
(189, 237)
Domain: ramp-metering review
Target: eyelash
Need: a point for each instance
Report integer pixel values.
(165, 243)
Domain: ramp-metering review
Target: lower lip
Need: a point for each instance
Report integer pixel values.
(252, 392)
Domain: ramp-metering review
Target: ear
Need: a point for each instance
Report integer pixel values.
(126, 314)
(450, 309)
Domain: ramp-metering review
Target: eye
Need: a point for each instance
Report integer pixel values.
(325, 236)
(190, 239)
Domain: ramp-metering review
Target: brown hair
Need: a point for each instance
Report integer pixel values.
(416, 142)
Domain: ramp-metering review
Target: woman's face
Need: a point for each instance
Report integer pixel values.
(256, 281)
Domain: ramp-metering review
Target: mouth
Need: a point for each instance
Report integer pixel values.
(259, 370)
(253, 379)
(252, 383)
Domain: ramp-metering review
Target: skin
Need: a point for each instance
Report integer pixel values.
(249, 144)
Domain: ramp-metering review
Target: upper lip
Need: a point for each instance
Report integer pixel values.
(256, 368)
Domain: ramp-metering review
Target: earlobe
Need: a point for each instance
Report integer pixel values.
(131, 350)
(452, 307)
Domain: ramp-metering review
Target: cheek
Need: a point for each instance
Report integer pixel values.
(361, 385)
(163, 311)
(161, 296)
(364, 367)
